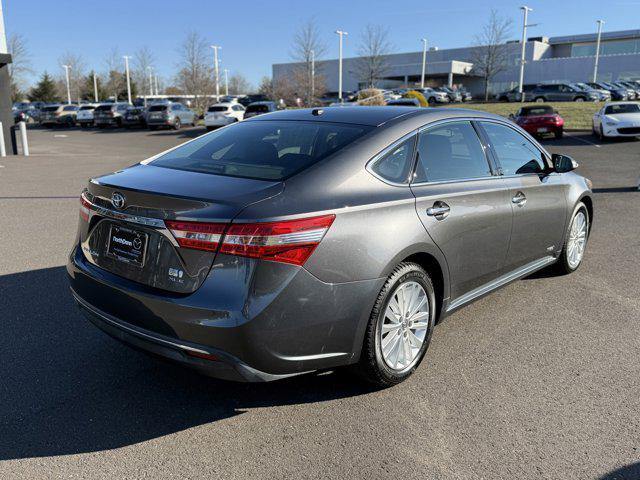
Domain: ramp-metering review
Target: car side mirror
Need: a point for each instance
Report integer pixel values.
(563, 163)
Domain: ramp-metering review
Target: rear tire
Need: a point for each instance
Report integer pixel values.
(177, 124)
(404, 332)
(539, 100)
(579, 99)
(576, 237)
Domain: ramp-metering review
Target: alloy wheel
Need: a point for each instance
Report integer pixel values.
(405, 326)
(577, 240)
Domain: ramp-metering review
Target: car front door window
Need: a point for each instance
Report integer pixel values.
(516, 154)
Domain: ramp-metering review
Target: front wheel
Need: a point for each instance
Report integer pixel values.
(579, 99)
(575, 241)
(399, 328)
(539, 100)
(177, 125)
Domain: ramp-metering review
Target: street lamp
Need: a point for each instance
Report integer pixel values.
(66, 71)
(157, 82)
(526, 11)
(126, 68)
(313, 76)
(95, 86)
(595, 67)
(150, 69)
(215, 65)
(424, 62)
(341, 34)
(226, 81)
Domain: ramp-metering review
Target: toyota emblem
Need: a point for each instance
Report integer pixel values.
(117, 200)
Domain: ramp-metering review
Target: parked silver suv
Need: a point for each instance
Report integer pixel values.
(173, 115)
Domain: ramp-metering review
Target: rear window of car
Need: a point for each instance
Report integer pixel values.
(267, 150)
(217, 109)
(103, 108)
(70, 108)
(622, 108)
(258, 108)
(87, 107)
(157, 108)
(50, 109)
(536, 111)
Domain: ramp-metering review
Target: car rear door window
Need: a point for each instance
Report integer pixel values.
(394, 165)
(450, 152)
(516, 154)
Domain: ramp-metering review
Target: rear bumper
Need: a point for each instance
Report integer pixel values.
(262, 320)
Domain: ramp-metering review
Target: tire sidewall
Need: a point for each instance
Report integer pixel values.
(415, 274)
(580, 206)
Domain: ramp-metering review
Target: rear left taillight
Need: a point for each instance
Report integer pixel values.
(290, 241)
(198, 235)
(85, 207)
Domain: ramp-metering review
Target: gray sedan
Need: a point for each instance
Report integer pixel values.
(312, 239)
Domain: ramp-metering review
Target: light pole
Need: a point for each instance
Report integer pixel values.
(66, 71)
(341, 34)
(150, 69)
(95, 86)
(595, 66)
(526, 11)
(226, 81)
(313, 76)
(424, 62)
(216, 67)
(156, 81)
(126, 69)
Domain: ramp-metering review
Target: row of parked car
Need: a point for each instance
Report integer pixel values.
(574, 92)
(158, 114)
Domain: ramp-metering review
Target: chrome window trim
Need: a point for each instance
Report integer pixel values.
(436, 123)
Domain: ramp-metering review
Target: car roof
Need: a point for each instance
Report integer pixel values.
(373, 116)
(224, 104)
(621, 103)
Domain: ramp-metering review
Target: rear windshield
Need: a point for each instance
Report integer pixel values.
(537, 111)
(258, 108)
(87, 107)
(157, 108)
(103, 108)
(267, 150)
(622, 108)
(50, 109)
(217, 109)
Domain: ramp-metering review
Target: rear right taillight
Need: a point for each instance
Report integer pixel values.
(198, 235)
(289, 241)
(85, 207)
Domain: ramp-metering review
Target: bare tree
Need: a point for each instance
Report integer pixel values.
(195, 76)
(307, 49)
(114, 80)
(372, 63)
(76, 74)
(21, 63)
(238, 84)
(143, 62)
(491, 56)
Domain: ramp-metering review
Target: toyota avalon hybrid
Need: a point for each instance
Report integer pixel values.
(305, 240)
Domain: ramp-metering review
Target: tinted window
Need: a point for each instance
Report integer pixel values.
(70, 108)
(516, 154)
(394, 165)
(87, 107)
(267, 150)
(157, 108)
(237, 108)
(122, 108)
(176, 107)
(103, 108)
(217, 109)
(50, 109)
(622, 108)
(536, 111)
(450, 152)
(258, 108)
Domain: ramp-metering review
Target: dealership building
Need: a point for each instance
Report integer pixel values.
(557, 59)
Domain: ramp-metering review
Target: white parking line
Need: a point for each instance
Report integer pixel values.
(585, 141)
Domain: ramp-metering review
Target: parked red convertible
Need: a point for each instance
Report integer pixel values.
(539, 121)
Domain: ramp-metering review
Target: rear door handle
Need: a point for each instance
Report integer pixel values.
(440, 210)
(519, 199)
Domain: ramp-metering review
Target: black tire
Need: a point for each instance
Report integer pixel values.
(209, 129)
(177, 125)
(579, 99)
(371, 366)
(562, 266)
(431, 101)
(504, 99)
(539, 100)
(153, 127)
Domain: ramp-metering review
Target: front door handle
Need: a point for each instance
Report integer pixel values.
(519, 199)
(440, 210)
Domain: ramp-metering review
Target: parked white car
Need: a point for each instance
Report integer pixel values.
(85, 114)
(222, 114)
(617, 119)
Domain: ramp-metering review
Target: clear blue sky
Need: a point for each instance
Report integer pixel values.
(255, 34)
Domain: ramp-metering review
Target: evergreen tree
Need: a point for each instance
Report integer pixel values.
(44, 91)
(87, 91)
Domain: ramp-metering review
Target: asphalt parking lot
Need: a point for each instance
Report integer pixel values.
(539, 380)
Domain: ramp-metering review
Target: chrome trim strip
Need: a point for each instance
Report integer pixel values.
(319, 356)
(131, 330)
(500, 281)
